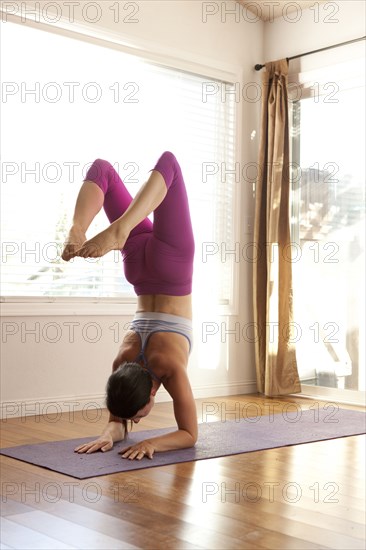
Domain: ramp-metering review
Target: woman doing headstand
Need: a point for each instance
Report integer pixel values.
(158, 262)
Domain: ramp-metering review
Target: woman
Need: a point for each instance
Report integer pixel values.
(158, 262)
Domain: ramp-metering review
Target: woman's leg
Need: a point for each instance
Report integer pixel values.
(117, 199)
(132, 218)
(158, 259)
(102, 187)
(165, 194)
(88, 203)
(172, 220)
(167, 266)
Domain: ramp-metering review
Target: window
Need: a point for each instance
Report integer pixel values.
(66, 102)
(328, 220)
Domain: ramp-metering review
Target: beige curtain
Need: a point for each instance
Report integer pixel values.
(276, 365)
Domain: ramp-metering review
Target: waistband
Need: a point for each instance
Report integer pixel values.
(148, 322)
(158, 316)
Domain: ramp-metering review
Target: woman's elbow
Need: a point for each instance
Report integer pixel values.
(187, 439)
(192, 439)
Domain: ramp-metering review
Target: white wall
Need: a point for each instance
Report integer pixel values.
(36, 371)
(328, 24)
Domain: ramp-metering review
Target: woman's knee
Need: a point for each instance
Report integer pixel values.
(168, 157)
(100, 173)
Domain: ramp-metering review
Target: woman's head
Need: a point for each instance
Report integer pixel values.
(129, 391)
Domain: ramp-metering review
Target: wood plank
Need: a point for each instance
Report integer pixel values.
(17, 536)
(68, 532)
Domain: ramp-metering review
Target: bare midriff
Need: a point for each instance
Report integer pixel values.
(162, 303)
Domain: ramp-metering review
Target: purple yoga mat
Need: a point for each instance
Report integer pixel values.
(216, 439)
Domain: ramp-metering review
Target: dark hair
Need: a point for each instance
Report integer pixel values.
(128, 390)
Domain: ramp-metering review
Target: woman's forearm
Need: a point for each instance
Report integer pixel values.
(172, 441)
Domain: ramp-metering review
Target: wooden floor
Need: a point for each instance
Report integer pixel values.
(301, 497)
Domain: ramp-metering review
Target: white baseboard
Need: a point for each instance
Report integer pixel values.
(91, 405)
(217, 390)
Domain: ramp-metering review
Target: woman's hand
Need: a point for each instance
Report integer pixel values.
(138, 451)
(103, 443)
(113, 432)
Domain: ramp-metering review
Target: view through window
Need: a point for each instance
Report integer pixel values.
(328, 228)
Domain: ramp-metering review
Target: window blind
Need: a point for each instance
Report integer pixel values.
(66, 102)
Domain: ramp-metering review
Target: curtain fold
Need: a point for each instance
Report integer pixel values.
(276, 365)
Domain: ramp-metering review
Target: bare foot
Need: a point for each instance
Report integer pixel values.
(75, 240)
(110, 239)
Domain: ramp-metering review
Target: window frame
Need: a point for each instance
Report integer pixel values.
(34, 306)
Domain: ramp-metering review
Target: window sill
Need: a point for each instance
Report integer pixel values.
(52, 307)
